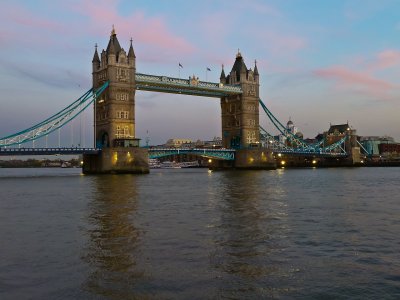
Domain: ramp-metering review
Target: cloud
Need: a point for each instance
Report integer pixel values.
(22, 27)
(42, 30)
(386, 59)
(349, 77)
(47, 75)
(150, 31)
(361, 82)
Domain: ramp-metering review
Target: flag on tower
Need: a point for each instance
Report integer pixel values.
(180, 65)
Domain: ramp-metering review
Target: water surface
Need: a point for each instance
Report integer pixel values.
(196, 234)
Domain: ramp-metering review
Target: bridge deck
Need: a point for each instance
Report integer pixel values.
(311, 153)
(184, 86)
(47, 151)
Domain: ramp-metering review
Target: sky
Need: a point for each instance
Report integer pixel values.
(321, 62)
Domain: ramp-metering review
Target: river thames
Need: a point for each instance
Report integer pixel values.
(197, 234)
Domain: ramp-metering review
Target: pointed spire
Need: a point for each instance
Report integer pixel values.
(131, 53)
(255, 68)
(111, 48)
(238, 55)
(239, 67)
(96, 55)
(222, 73)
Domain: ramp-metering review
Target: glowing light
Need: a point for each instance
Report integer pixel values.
(210, 161)
(279, 154)
(81, 162)
(129, 157)
(283, 162)
(314, 162)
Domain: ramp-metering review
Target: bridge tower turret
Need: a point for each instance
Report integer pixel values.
(115, 108)
(240, 115)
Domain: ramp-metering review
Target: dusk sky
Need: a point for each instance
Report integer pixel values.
(320, 61)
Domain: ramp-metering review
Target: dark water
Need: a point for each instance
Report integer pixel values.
(194, 234)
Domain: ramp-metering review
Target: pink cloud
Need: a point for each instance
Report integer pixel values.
(361, 82)
(23, 17)
(35, 31)
(152, 31)
(386, 59)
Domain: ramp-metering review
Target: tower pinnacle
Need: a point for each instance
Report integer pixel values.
(255, 67)
(113, 30)
(96, 58)
(222, 77)
(131, 53)
(238, 54)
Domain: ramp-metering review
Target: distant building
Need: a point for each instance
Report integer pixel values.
(290, 128)
(179, 143)
(215, 143)
(389, 149)
(372, 143)
(337, 132)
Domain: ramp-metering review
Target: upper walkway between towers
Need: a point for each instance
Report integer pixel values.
(191, 86)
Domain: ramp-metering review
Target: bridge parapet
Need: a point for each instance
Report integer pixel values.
(47, 151)
(190, 86)
(223, 154)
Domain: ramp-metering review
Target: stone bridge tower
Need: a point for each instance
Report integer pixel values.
(114, 113)
(240, 115)
(115, 108)
(240, 118)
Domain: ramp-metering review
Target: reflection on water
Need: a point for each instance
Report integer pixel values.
(250, 227)
(113, 237)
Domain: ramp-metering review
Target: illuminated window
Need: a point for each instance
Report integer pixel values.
(251, 137)
(122, 114)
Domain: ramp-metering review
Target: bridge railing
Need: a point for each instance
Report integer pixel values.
(143, 79)
(224, 154)
(47, 151)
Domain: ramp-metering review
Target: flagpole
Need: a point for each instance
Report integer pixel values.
(179, 70)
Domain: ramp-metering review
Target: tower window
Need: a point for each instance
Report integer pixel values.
(251, 137)
(122, 96)
(252, 122)
(122, 114)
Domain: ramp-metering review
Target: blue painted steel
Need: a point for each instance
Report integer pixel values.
(223, 154)
(283, 130)
(301, 146)
(54, 122)
(184, 86)
(47, 151)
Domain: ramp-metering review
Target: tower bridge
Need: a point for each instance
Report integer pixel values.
(114, 83)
